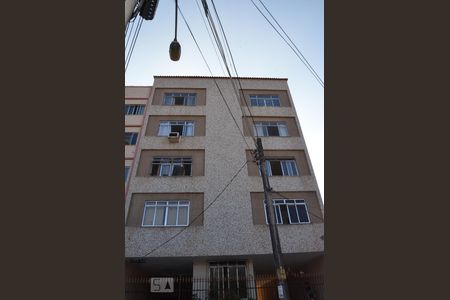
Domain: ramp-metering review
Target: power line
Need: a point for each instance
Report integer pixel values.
(129, 34)
(235, 70)
(299, 53)
(133, 43)
(290, 39)
(210, 38)
(236, 89)
(215, 81)
(203, 211)
(235, 175)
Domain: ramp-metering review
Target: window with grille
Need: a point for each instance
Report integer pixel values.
(290, 211)
(134, 109)
(188, 99)
(270, 129)
(265, 100)
(131, 138)
(166, 213)
(171, 166)
(184, 128)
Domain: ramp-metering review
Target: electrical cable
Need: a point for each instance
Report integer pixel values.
(133, 34)
(238, 79)
(290, 40)
(133, 43)
(203, 211)
(303, 60)
(129, 34)
(126, 28)
(210, 38)
(134, 40)
(215, 81)
(236, 89)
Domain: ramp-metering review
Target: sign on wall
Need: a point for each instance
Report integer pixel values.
(161, 284)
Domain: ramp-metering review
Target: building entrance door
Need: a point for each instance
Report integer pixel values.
(227, 280)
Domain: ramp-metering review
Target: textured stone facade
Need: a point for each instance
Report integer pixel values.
(228, 229)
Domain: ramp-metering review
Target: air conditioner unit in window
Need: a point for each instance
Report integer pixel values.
(174, 137)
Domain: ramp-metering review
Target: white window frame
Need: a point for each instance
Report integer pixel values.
(186, 101)
(171, 165)
(161, 169)
(265, 99)
(166, 204)
(291, 162)
(134, 109)
(169, 124)
(261, 126)
(277, 208)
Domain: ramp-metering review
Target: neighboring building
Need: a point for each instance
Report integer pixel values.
(136, 100)
(175, 179)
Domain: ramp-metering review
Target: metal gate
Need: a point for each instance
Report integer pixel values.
(302, 286)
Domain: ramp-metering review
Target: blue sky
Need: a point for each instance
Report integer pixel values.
(257, 50)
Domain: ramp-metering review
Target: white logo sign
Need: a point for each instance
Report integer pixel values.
(161, 284)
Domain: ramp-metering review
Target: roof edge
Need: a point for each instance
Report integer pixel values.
(218, 77)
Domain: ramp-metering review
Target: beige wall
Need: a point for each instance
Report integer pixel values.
(298, 155)
(136, 101)
(134, 120)
(153, 124)
(228, 222)
(137, 91)
(133, 129)
(159, 95)
(145, 163)
(311, 200)
(136, 210)
(130, 151)
(284, 99)
(290, 123)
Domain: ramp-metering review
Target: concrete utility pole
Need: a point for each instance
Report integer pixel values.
(283, 292)
(129, 7)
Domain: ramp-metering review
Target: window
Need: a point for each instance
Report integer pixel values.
(127, 170)
(166, 213)
(184, 128)
(276, 167)
(226, 279)
(134, 109)
(270, 129)
(264, 100)
(179, 99)
(131, 138)
(171, 166)
(290, 211)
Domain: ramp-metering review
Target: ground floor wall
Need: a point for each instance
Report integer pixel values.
(225, 278)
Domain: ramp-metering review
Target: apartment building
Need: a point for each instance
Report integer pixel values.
(189, 211)
(136, 100)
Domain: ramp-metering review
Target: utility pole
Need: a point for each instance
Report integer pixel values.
(283, 292)
(129, 7)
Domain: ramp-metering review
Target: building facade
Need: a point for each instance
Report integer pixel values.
(136, 100)
(194, 203)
